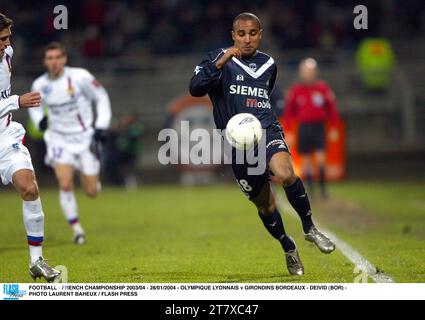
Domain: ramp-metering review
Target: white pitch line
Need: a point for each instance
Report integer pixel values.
(351, 254)
(358, 260)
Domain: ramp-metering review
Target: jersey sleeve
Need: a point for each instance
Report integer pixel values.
(11, 103)
(96, 92)
(36, 114)
(8, 105)
(206, 75)
(272, 80)
(331, 106)
(290, 111)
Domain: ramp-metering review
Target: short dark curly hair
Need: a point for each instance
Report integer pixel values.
(5, 22)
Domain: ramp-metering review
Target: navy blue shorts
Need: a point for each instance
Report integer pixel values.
(251, 185)
(311, 137)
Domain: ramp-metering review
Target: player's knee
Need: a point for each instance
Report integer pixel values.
(267, 208)
(30, 192)
(66, 185)
(91, 192)
(270, 209)
(286, 174)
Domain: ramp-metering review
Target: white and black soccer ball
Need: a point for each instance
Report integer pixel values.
(243, 131)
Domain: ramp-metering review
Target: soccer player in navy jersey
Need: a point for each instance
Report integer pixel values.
(240, 79)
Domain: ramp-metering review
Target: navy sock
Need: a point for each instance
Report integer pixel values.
(274, 226)
(298, 198)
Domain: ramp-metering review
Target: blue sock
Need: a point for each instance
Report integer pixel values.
(274, 226)
(298, 198)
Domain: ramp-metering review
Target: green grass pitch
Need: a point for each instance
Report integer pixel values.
(213, 234)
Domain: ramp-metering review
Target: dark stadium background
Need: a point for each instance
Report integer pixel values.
(144, 53)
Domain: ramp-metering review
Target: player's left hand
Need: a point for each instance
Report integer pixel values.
(100, 135)
(44, 123)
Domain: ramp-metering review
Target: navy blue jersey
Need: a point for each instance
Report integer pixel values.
(242, 85)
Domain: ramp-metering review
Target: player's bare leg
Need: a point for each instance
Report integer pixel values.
(91, 185)
(25, 183)
(67, 200)
(282, 167)
(321, 162)
(272, 220)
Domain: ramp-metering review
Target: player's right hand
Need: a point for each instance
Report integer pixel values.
(30, 100)
(100, 135)
(229, 54)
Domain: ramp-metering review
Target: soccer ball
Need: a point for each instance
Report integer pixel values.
(243, 131)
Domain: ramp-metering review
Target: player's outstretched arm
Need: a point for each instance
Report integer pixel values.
(289, 113)
(28, 100)
(8, 105)
(39, 118)
(208, 73)
(103, 109)
(37, 115)
(331, 106)
(97, 92)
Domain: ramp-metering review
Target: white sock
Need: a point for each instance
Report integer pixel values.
(70, 210)
(35, 253)
(33, 216)
(77, 228)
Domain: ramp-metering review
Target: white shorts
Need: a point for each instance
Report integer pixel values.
(72, 150)
(14, 156)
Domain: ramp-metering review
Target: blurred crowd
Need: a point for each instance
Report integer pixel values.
(99, 28)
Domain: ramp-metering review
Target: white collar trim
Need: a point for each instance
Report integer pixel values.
(254, 74)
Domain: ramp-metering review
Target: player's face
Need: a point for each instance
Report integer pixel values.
(308, 74)
(247, 36)
(55, 61)
(4, 40)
